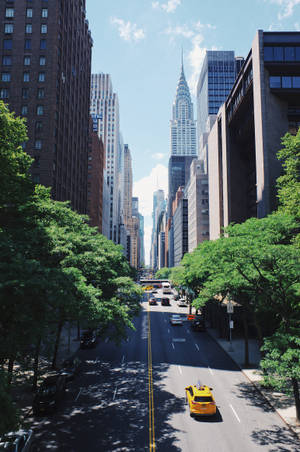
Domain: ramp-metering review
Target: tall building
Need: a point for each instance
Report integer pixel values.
(183, 126)
(218, 73)
(179, 174)
(158, 207)
(180, 226)
(262, 106)
(142, 241)
(45, 57)
(105, 108)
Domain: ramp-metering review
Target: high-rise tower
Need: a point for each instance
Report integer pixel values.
(183, 126)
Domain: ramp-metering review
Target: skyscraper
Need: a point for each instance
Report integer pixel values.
(218, 73)
(45, 58)
(105, 108)
(183, 126)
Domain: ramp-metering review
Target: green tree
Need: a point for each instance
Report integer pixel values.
(9, 415)
(163, 273)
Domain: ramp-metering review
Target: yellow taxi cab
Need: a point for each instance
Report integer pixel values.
(200, 400)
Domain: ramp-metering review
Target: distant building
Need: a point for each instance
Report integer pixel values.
(179, 174)
(196, 193)
(105, 110)
(180, 225)
(142, 246)
(45, 57)
(158, 206)
(262, 106)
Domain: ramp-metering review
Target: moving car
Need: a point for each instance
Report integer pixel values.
(49, 393)
(198, 324)
(152, 301)
(200, 400)
(175, 319)
(154, 291)
(20, 441)
(182, 302)
(165, 301)
(88, 339)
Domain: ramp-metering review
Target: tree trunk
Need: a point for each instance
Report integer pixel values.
(10, 369)
(78, 331)
(58, 334)
(246, 338)
(258, 330)
(36, 363)
(297, 397)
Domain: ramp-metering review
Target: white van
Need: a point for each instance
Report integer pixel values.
(166, 288)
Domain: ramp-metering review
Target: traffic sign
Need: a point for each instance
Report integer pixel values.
(229, 307)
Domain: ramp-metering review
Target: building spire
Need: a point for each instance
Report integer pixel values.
(182, 70)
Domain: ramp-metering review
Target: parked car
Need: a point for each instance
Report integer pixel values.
(182, 302)
(88, 339)
(71, 368)
(20, 441)
(176, 319)
(165, 301)
(198, 324)
(49, 393)
(152, 301)
(200, 400)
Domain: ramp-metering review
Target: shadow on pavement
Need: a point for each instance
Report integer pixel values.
(276, 439)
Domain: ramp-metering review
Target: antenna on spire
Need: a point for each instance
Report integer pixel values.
(181, 58)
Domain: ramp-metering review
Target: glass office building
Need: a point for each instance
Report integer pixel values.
(217, 76)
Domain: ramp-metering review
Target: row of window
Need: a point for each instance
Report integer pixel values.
(6, 77)
(8, 44)
(10, 12)
(7, 60)
(284, 82)
(282, 53)
(9, 28)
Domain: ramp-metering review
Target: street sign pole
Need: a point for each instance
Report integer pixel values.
(230, 311)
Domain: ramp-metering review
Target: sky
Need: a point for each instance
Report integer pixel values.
(139, 43)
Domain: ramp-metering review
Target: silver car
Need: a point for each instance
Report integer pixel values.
(176, 319)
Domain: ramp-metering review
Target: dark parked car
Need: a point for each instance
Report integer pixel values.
(49, 393)
(165, 302)
(20, 441)
(198, 324)
(88, 339)
(70, 369)
(152, 301)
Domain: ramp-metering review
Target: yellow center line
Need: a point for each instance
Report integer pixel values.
(150, 380)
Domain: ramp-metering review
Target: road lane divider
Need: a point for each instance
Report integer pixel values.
(197, 347)
(115, 393)
(150, 387)
(234, 412)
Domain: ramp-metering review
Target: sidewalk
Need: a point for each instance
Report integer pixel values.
(284, 405)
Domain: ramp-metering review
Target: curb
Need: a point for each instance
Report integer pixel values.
(258, 389)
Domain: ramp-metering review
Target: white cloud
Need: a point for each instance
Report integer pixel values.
(127, 30)
(179, 30)
(199, 26)
(287, 7)
(195, 59)
(158, 156)
(169, 7)
(143, 189)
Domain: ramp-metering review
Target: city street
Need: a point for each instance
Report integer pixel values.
(107, 407)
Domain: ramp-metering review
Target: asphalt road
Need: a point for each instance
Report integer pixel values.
(107, 407)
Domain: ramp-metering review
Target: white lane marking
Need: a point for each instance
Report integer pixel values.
(234, 412)
(165, 320)
(106, 340)
(197, 347)
(168, 330)
(114, 396)
(123, 359)
(78, 394)
(188, 331)
(179, 368)
(173, 345)
(210, 370)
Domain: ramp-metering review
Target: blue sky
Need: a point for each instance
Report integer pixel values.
(138, 42)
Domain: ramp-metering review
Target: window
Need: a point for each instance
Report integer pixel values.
(27, 61)
(28, 28)
(36, 178)
(38, 126)
(25, 93)
(275, 82)
(41, 93)
(26, 77)
(5, 76)
(8, 28)
(4, 93)
(7, 44)
(43, 28)
(9, 12)
(278, 54)
(24, 110)
(289, 53)
(38, 144)
(29, 12)
(43, 44)
(45, 12)
(286, 82)
(41, 77)
(42, 61)
(296, 82)
(27, 44)
(6, 60)
(40, 110)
